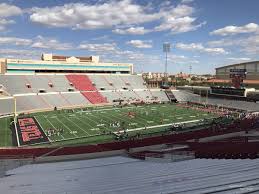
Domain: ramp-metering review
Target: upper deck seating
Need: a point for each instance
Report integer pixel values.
(15, 84)
(100, 82)
(134, 81)
(59, 82)
(39, 82)
(116, 81)
(81, 82)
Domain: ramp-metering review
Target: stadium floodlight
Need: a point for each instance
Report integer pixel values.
(166, 49)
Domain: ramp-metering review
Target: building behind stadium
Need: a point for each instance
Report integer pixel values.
(50, 63)
(252, 69)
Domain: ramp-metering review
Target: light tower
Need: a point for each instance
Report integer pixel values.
(190, 68)
(166, 49)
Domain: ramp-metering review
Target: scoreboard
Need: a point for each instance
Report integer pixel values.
(237, 76)
(237, 73)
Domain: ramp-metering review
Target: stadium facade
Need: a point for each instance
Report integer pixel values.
(252, 69)
(50, 63)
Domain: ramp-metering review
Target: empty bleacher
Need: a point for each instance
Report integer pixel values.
(112, 96)
(100, 82)
(95, 97)
(6, 105)
(15, 84)
(134, 81)
(160, 95)
(56, 100)
(36, 92)
(59, 83)
(31, 103)
(75, 99)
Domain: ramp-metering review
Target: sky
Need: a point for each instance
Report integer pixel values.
(203, 34)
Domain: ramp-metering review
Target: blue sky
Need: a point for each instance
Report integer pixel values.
(204, 34)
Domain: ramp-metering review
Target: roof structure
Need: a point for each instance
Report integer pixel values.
(233, 65)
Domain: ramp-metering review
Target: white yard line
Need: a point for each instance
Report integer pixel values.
(76, 125)
(155, 126)
(109, 109)
(66, 127)
(84, 121)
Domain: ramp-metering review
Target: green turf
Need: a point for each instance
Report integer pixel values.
(92, 125)
(89, 126)
(5, 132)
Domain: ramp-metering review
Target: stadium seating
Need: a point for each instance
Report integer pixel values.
(31, 103)
(112, 96)
(75, 98)
(60, 83)
(134, 81)
(95, 97)
(101, 82)
(15, 84)
(81, 82)
(55, 100)
(36, 92)
(160, 95)
(6, 105)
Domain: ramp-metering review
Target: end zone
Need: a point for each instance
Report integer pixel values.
(29, 132)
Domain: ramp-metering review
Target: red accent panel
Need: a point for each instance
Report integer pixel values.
(94, 97)
(81, 82)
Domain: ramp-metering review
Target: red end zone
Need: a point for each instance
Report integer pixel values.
(29, 131)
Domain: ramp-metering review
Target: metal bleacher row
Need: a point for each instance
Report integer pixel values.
(39, 92)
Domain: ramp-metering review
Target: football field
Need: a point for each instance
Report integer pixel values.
(101, 123)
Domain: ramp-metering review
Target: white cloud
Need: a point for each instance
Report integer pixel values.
(116, 14)
(140, 43)
(232, 30)
(239, 58)
(19, 53)
(50, 43)
(7, 11)
(15, 41)
(181, 59)
(132, 30)
(187, 1)
(84, 16)
(38, 42)
(4, 23)
(199, 47)
(179, 20)
(105, 47)
(246, 45)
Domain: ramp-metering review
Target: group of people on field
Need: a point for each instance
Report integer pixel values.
(54, 131)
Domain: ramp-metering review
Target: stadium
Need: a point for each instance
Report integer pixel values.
(61, 101)
(64, 108)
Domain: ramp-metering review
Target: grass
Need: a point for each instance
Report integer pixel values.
(5, 132)
(92, 125)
